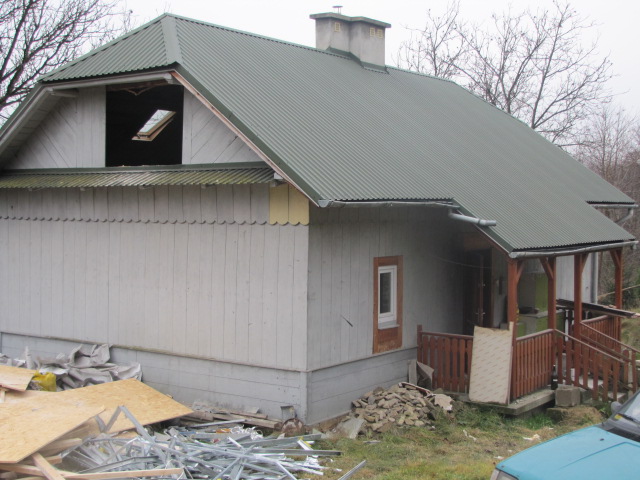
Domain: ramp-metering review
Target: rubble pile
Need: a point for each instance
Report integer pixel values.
(402, 404)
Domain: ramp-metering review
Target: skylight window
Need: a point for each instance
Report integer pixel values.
(156, 123)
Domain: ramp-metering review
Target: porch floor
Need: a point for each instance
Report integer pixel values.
(526, 405)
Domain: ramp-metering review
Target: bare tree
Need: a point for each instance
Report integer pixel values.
(37, 36)
(610, 146)
(532, 65)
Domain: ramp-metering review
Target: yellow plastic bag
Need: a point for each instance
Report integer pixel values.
(46, 381)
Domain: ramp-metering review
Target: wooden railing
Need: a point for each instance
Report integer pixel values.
(450, 357)
(604, 330)
(591, 368)
(624, 353)
(533, 361)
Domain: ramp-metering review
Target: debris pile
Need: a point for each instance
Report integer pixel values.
(98, 433)
(402, 404)
(84, 365)
(202, 451)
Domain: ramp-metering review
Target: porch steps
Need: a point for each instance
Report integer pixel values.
(523, 406)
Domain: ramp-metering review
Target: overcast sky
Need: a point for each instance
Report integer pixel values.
(289, 20)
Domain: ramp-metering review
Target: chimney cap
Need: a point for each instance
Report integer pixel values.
(345, 18)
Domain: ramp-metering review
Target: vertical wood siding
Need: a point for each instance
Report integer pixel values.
(72, 135)
(183, 270)
(342, 246)
(205, 139)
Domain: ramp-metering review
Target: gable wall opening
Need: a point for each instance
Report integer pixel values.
(128, 110)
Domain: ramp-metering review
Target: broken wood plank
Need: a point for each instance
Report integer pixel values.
(46, 468)
(29, 425)
(211, 416)
(35, 471)
(15, 378)
(58, 446)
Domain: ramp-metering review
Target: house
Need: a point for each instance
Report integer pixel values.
(263, 224)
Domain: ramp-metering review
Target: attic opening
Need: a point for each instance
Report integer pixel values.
(144, 125)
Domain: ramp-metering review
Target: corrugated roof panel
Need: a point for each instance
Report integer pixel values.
(141, 49)
(356, 134)
(134, 178)
(343, 132)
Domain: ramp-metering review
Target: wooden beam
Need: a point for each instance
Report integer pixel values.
(549, 265)
(514, 271)
(616, 256)
(579, 261)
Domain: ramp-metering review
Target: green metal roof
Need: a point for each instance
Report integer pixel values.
(135, 176)
(344, 132)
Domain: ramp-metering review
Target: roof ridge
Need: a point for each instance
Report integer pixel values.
(171, 40)
(104, 47)
(256, 35)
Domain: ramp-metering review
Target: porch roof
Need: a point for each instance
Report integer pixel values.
(339, 131)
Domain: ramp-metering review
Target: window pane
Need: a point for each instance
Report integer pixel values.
(385, 292)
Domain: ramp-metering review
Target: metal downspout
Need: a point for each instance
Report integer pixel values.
(476, 221)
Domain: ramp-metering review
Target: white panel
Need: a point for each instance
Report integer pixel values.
(284, 315)
(193, 293)
(153, 277)
(114, 282)
(179, 309)
(87, 209)
(205, 317)
(161, 204)
(79, 317)
(270, 293)
(166, 261)
(242, 203)
(230, 291)
(130, 204)
(4, 207)
(224, 203)
(115, 204)
(56, 315)
(256, 274)
(72, 211)
(176, 212)
(91, 130)
(146, 204)
(243, 282)
(300, 295)
(218, 289)
(208, 199)
(191, 203)
(260, 203)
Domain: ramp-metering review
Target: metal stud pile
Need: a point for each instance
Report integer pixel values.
(201, 452)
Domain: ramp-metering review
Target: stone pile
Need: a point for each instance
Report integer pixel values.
(402, 404)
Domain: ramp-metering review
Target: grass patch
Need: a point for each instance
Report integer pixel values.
(465, 445)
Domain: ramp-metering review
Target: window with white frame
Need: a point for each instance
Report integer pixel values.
(387, 303)
(387, 295)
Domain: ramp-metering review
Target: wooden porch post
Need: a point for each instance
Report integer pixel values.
(549, 265)
(514, 271)
(579, 261)
(616, 256)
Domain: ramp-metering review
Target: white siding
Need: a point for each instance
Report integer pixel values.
(149, 270)
(342, 246)
(564, 282)
(206, 139)
(71, 136)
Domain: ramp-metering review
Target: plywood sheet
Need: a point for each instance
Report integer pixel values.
(490, 366)
(29, 425)
(15, 378)
(15, 397)
(145, 403)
